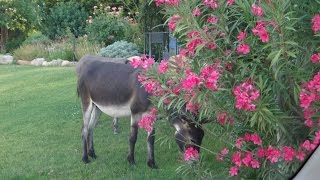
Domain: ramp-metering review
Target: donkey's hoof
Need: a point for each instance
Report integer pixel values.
(152, 164)
(85, 160)
(131, 160)
(92, 154)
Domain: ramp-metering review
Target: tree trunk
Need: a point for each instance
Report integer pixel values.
(3, 38)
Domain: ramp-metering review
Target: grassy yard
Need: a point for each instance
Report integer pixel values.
(40, 122)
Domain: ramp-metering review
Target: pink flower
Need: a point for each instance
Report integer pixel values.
(255, 164)
(308, 146)
(193, 44)
(315, 58)
(300, 155)
(244, 96)
(148, 120)
(193, 107)
(236, 158)
(256, 10)
(191, 81)
(272, 154)
(212, 19)
(288, 153)
(316, 23)
(147, 63)
(243, 49)
(211, 3)
(224, 151)
(211, 46)
(306, 99)
(163, 67)
(173, 22)
(242, 36)
(261, 31)
(247, 159)
(136, 62)
(261, 153)
(255, 138)
(191, 154)
(210, 76)
(196, 12)
(247, 137)
(168, 2)
(239, 142)
(233, 171)
(230, 2)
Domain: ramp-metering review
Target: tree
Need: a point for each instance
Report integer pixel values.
(64, 17)
(17, 17)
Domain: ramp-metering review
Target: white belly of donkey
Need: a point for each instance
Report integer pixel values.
(115, 110)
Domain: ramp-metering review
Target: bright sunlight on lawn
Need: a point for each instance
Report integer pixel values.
(40, 133)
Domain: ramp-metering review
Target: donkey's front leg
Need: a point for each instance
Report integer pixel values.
(133, 136)
(151, 161)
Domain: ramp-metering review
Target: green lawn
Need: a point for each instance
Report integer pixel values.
(40, 123)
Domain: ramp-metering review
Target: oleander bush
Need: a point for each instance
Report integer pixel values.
(251, 70)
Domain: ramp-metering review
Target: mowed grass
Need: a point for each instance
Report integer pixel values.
(40, 124)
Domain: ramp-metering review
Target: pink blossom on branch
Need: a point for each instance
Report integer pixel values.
(234, 171)
(191, 154)
(245, 94)
(196, 12)
(212, 19)
(242, 36)
(243, 49)
(173, 22)
(210, 75)
(315, 58)
(211, 3)
(148, 120)
(168, 2)
(316, 23)
(256, 10)
(261, 31)
(230, 2)
(191, 81)
(163, 67)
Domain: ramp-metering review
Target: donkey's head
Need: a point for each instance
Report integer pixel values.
(187, 134)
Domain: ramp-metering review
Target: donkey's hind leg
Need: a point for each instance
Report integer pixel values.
(133, 136)
(92, 123)
(87, 111)
(150, 145)
(115, 125)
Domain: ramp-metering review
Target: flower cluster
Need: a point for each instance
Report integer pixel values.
(316, 23)
(309, 94)
(173, 22)
(256, 10)
(261, 31)
(210, 76)
(143, 62)
(148, 120)
(191, 154)
(253, 159)
(315, 58)
(224, 118)
(245, 94)
(163, 67)
(168, 2)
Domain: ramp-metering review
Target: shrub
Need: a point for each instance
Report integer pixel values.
(63, 17)
(30, 52)
(37, 38)
(106, 29)
(120, 49)
(251, 69)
